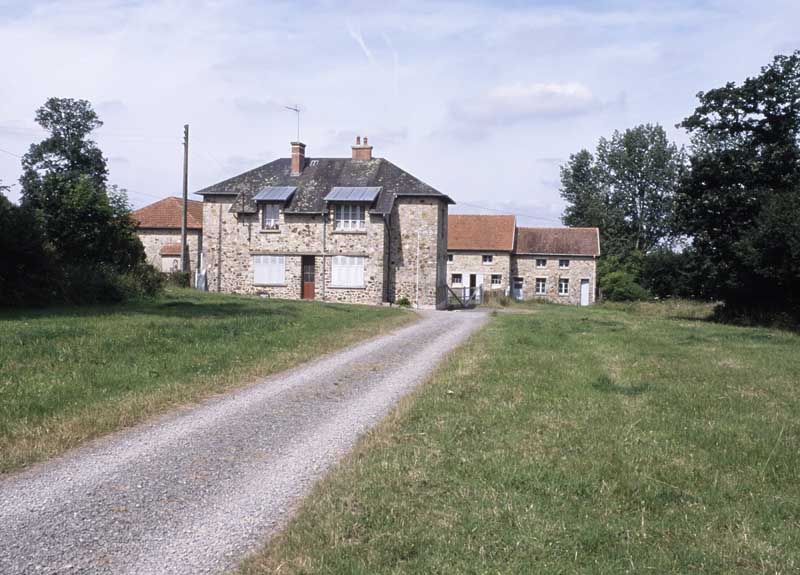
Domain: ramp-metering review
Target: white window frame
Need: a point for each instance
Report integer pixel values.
(537, 282)
(499, 281)
(563, 282)
(269, 270)
(347, 271)
(270, 223)
(349, 217)
(563, 264)
(453, 279)
(487, 259)
(541, 263)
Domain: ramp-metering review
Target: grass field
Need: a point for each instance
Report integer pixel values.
(68, 375)
(625, 439)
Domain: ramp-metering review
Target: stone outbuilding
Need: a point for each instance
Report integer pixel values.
(356, 230)
(489, 253)
(556, 264)
(159, 229)
(479, 250)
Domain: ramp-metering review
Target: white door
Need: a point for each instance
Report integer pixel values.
(584, 292)
(516, 288)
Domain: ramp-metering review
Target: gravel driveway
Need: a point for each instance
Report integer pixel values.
(194, 491)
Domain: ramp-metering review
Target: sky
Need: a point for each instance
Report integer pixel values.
(482, 100)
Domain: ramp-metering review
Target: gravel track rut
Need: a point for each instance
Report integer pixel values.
(197, 489)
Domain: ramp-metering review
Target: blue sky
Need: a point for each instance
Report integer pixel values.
(483, 101)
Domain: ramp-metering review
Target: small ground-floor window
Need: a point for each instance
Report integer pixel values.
(269, 270)
(347, 271)
(563, 286)
(541, 286)
(497, 279)
(456, 279)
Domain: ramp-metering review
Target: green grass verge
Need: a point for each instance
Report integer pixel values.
(71, 374)
(630, 438)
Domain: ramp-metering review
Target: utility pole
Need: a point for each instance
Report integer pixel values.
(184, 247)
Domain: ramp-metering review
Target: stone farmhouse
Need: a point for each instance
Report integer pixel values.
(159, 229)
(490, 253)
(357, 229)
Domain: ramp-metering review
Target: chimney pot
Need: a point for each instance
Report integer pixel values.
(365, 140)
(358, 140)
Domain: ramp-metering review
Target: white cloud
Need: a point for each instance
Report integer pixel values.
(518, 102)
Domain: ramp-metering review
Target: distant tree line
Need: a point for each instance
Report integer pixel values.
(720, 221)
(72, 238)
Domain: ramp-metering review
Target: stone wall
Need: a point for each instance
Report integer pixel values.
(580, 267)
(418, 251)
(469, 262)
(235, 240)
(153, 239)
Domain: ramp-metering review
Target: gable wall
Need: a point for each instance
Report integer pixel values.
(418, 251)
(153, 239)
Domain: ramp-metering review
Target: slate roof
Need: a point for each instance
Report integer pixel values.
(558, 241)
(486, 233)
(318, 178)
(166, 213)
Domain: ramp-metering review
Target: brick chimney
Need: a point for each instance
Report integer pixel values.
(298, 157)
(362, 151)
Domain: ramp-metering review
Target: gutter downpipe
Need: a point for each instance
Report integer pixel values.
(418, 240)
(324, 237)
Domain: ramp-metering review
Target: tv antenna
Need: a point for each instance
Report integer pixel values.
(296, 110)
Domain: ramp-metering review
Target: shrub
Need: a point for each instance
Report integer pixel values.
(179, 279)
(621, 286)
(403, 301)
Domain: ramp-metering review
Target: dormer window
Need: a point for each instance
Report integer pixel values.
(349, 217)
(270, 214)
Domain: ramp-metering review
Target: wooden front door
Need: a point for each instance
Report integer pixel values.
(308, 277)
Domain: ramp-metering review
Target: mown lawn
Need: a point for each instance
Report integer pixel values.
(632, 439)
(68, 375)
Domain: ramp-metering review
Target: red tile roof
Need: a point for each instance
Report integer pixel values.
(166, 213)
(559, 241)
(488, 233)
(170, 250)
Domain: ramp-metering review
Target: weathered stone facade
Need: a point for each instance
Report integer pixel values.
(418, 252)
(468, 263)
(154, 240)
(231, 241)
(580, 268)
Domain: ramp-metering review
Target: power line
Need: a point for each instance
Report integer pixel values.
(510, 212)
(10, 153)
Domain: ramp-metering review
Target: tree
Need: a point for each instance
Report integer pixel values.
(25, 267)
(626, 189)
(740, 202)
(64, 183)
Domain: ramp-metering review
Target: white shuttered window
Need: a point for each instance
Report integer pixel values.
(349, 217)
(269, 270)
(347, 271)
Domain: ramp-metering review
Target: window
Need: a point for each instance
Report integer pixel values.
(563, 286)
(497, 279)
(541, 286)
(269, 270)
(563, 264)
(541, 263)
(347, 271)
(269, 216)
(450, 257)
(349, 217)
(455, 279)
(488, 258)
